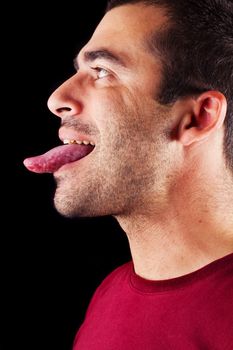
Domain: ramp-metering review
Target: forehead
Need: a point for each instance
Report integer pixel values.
(126, 28)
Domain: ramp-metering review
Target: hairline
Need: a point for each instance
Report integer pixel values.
(150, 43)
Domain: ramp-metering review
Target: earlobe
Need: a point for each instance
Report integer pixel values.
(207, 115)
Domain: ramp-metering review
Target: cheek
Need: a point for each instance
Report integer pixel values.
(114, 108)
(126, 114)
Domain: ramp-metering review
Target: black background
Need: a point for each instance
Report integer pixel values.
(50, 265)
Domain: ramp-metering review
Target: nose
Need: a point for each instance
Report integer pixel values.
(64, 101)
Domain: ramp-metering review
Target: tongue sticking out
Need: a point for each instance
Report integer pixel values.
(52, 160)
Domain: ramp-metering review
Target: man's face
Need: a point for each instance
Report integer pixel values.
(110, 101)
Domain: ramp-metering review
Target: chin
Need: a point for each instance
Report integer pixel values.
(69, 211)
(83, 202)
(73, 210)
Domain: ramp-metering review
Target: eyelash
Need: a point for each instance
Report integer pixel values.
(100, 69)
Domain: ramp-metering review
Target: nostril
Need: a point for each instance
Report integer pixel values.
(63, 109)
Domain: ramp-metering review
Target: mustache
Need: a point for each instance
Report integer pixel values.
(80, 126)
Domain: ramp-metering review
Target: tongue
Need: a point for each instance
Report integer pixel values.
(52, 160)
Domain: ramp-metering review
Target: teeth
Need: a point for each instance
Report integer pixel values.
(73, 142)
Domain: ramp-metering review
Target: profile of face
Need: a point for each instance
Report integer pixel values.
(110, 106)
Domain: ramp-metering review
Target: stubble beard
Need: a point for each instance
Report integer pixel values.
(119, 178)
(108, 187)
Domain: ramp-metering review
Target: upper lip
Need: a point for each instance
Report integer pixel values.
(66, 135)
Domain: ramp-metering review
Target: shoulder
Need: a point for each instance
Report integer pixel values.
(115, 280)
(116, 277)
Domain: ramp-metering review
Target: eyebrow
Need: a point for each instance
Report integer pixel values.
(91, 56)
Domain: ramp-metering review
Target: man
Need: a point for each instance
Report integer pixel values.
(147, 127)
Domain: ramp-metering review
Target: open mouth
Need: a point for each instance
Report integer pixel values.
(49, 162)
(77, 142)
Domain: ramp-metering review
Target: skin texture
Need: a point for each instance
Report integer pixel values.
(159, 170)
(128, 125)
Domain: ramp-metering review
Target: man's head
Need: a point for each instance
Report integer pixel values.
(196, 50)
(146, 118)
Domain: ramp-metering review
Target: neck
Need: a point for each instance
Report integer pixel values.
(183, 236)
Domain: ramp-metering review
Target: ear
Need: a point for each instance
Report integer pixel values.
(204, 117)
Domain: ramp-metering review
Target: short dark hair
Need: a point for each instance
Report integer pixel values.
(196, 50)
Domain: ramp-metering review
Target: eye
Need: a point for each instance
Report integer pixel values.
(101, 72)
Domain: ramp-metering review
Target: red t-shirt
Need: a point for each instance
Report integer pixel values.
(194, 311)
